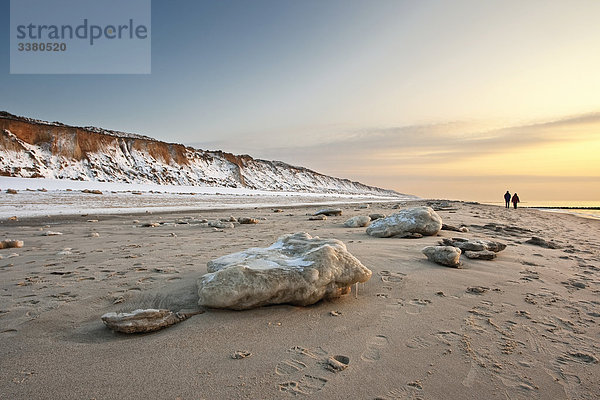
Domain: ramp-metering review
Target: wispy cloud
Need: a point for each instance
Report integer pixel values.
(420, 144)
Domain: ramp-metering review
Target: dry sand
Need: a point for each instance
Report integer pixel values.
(415, 330)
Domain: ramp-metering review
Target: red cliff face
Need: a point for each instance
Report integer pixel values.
(75, 143)
(31, 148)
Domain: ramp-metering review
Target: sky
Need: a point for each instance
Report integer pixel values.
(442, 99)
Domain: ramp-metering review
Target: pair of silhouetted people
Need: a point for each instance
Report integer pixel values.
(507, 199)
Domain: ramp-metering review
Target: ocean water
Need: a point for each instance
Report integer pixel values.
(586, 208)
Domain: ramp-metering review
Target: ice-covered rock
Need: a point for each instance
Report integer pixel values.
(462, 228)
(357, 222)
(444, 255)
(7, 244)
(330, 212)
(247, 220)
(474, 244)
(422, 220)
(297, 269)
(537, 241)
(51, 233)
(480, 255)
(140, 321)
(221, 224)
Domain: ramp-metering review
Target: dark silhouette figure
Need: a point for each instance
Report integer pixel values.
(507, 199)
(515, 200)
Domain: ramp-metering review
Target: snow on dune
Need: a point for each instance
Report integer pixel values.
(40, 197)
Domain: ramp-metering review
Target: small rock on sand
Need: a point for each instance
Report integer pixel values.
(141, 321)
(477, 289)
(247, 220)
(337, 363)
(357, 222)
(376, 216)
(238, 355)
(474, 244)
(317, 218)
(7, 244)
(51, 233)
(537, 241)
(444, 255)
(446, 227)
(221, 224)
(330, 212)
(480, 255)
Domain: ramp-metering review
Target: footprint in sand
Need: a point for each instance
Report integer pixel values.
(391, 310)
(391, 277)
(418, 342)
(448, 337)
(307, 385)
(416, 305)
(375, 347)
(303, 368)
(405, 393)
(288, 367)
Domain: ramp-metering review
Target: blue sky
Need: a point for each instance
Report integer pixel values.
(423, 83)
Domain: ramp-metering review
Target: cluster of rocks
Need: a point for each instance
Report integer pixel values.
(448, 251)
(221, 223)
(228, 223)
(301, 270)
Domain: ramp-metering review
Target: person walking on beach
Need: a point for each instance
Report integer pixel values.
(507, 199)
(515, 200)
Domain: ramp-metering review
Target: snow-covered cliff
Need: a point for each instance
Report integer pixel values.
(31, 148)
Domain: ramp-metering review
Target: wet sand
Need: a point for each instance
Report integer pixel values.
(415, 330)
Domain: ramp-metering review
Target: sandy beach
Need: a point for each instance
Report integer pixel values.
(522, 326)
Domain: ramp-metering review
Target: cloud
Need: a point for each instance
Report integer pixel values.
(384, 151)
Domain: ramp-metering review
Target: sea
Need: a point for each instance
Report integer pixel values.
(586, 209)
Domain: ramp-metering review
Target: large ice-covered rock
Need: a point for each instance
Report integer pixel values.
(422, 220)
(297, 269)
